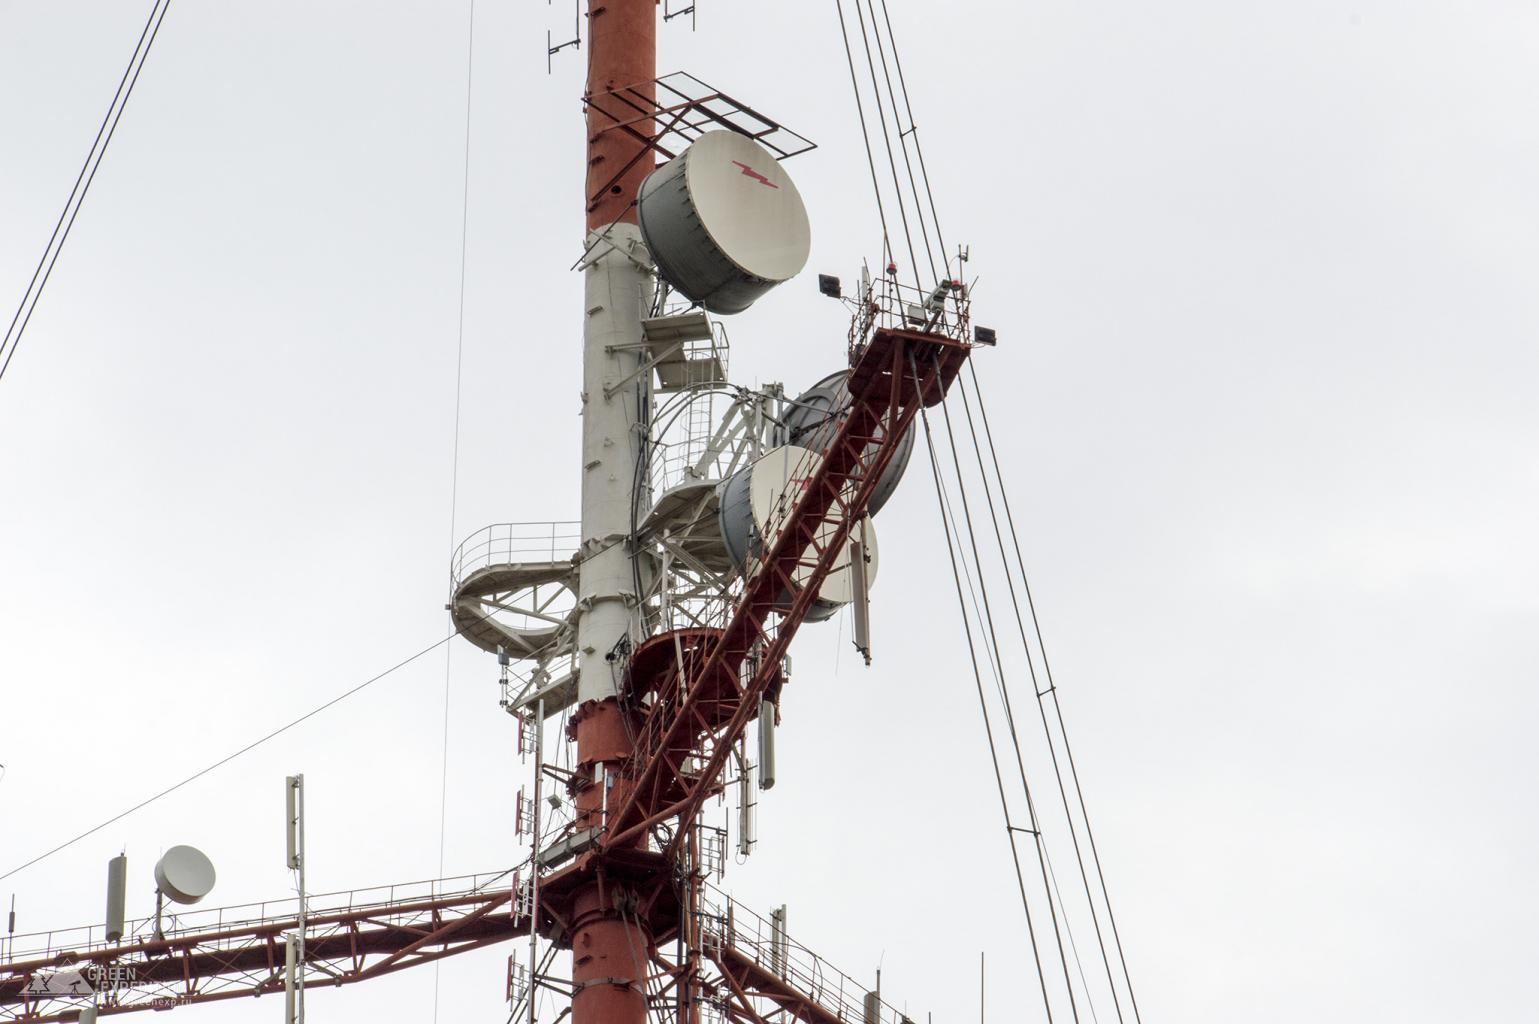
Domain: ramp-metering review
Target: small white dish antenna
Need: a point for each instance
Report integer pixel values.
(184, 874)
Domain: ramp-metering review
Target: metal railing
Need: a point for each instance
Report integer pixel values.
(945, 310)
(503, 543)
(754, 937)
(728, 927)
(398, 903)
(683, 445)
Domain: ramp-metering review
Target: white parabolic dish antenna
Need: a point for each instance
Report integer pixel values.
(185, 874)
(724, 222)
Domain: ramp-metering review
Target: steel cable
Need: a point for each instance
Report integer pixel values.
(988, 728)
(997, 674)
(902, 144)
(1004, 695)
(966, 554)
(1041, 707)
(228, 758)
(252, 746)
(93, 162)
(865, 133)
(1052, 690)
(454, 466)
(913, 129)
(881, 115)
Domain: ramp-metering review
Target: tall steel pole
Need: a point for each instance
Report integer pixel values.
(610, 948)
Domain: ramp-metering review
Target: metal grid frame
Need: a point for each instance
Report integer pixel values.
(666, 114)
(232, 952)
(711, 688)
(885, 303)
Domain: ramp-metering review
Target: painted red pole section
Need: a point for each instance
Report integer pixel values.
(622, 53)
(611, 949)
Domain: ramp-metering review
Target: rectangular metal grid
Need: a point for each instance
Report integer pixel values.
(667, 114)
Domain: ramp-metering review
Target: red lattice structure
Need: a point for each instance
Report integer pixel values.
(211, 956)
(705, 701)
(216, 955)
(689, 695)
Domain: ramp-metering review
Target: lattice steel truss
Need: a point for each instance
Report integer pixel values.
(214, 955)
(229, 953)
(702, 686)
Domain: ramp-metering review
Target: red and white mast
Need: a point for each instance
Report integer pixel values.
(656, 718)
(610, 949)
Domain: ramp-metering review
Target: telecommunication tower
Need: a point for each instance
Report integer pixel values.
(643, 648)
(689, 579)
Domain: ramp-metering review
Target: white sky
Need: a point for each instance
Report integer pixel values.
(1264, 277)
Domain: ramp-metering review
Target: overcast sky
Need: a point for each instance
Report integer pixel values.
(1264, 276)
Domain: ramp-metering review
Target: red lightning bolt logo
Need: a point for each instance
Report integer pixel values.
(755, 175)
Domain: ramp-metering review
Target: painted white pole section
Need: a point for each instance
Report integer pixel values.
(290, 969)
(617, 294)
(294, 813)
